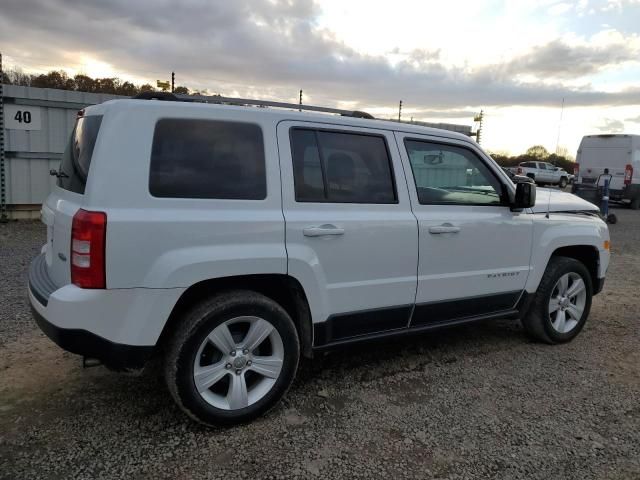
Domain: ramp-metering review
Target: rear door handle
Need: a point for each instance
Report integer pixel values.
(322, 230)
(444, 228)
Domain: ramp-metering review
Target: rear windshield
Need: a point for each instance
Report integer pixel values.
(76, 159)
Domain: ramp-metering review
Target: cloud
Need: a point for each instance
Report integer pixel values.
(611, 125)
(560, 60)
(633, 119)
(272, 48)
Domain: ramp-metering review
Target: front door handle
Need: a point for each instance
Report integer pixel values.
(322, 230)
(444, 228)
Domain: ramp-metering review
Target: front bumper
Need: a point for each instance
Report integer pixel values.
(118, 327)
(598, 286)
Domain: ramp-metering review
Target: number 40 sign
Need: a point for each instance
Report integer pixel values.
(21, 117)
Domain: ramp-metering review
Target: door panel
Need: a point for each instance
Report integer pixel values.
(472, 248)
(361, 256)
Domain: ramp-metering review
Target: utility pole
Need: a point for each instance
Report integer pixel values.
(300, 100)
(3, 191)
(479, 118)
(173, 81)
(559, 126)
(400, 111)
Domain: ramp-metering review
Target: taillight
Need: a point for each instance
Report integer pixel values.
(88, 241)
(519, 170)
(576, 169)
(628, 174)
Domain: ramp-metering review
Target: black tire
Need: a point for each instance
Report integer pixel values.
(537, 322)
(635, 203)
(196, 324)
(563, 182)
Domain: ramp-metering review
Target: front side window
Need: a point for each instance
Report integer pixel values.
(341, 167)
(193, 158)
(448, 174)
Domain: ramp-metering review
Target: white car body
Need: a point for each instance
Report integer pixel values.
(389, 262)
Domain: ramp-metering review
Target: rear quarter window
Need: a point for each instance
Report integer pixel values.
(207, 159)
(76, 160)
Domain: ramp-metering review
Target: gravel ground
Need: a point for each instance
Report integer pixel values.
(472, 402)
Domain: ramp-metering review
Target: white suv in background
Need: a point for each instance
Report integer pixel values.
(231, 240)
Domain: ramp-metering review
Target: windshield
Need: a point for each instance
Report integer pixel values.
(74, 167)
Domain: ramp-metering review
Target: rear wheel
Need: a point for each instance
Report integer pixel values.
(563, 182)
(232, 358)
(562, 302)
(635, 203)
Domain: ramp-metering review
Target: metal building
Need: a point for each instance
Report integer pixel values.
(37, 125)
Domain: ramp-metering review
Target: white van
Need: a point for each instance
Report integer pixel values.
(618, 153)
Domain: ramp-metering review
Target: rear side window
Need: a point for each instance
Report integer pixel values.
(207, 159)
(74, 167)
(341, 167)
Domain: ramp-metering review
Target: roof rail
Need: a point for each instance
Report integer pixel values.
(168, 96)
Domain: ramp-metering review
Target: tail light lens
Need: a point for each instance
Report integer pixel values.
(88, 241)
(519, 170)
(628, 174)
(576, 169)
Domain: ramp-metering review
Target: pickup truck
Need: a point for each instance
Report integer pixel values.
(544, 173)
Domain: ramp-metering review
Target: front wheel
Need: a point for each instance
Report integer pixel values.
(562, 302)
(232, 358)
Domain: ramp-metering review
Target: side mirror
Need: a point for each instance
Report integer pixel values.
(522, 179)
(525, 196)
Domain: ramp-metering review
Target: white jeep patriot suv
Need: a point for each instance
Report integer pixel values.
(231, 240)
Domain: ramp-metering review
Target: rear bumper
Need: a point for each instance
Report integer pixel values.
(628, 193)
(119, 327)
(114, 355)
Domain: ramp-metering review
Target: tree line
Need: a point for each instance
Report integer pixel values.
(112, 85)
(537, 153)
(80, 83)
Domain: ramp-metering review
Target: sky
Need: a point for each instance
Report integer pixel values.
(517, 60)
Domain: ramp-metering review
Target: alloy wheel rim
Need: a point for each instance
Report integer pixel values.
(238, 362)
(567, 302)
